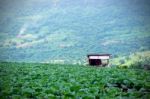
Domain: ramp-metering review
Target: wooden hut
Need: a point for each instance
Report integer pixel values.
(98, 59)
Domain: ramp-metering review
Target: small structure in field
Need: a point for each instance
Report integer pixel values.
(98, 59)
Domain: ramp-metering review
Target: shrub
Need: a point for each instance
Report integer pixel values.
(140, 59)
(122, 61)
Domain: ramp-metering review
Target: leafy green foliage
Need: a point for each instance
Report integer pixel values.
(136, 60)
(31, 80)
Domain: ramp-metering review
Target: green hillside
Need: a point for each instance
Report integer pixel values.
(47, 30)
(47, 81)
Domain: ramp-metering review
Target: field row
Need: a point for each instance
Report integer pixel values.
(24, 80)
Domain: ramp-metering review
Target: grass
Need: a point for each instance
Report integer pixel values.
(51, 81)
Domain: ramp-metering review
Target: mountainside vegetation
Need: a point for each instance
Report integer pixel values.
(47, 30)
(139, 60)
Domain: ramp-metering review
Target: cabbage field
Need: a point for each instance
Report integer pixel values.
(49, 81)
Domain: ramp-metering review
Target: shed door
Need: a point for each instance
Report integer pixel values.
(95, 62)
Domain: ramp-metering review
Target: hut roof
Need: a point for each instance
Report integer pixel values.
(98, 55)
